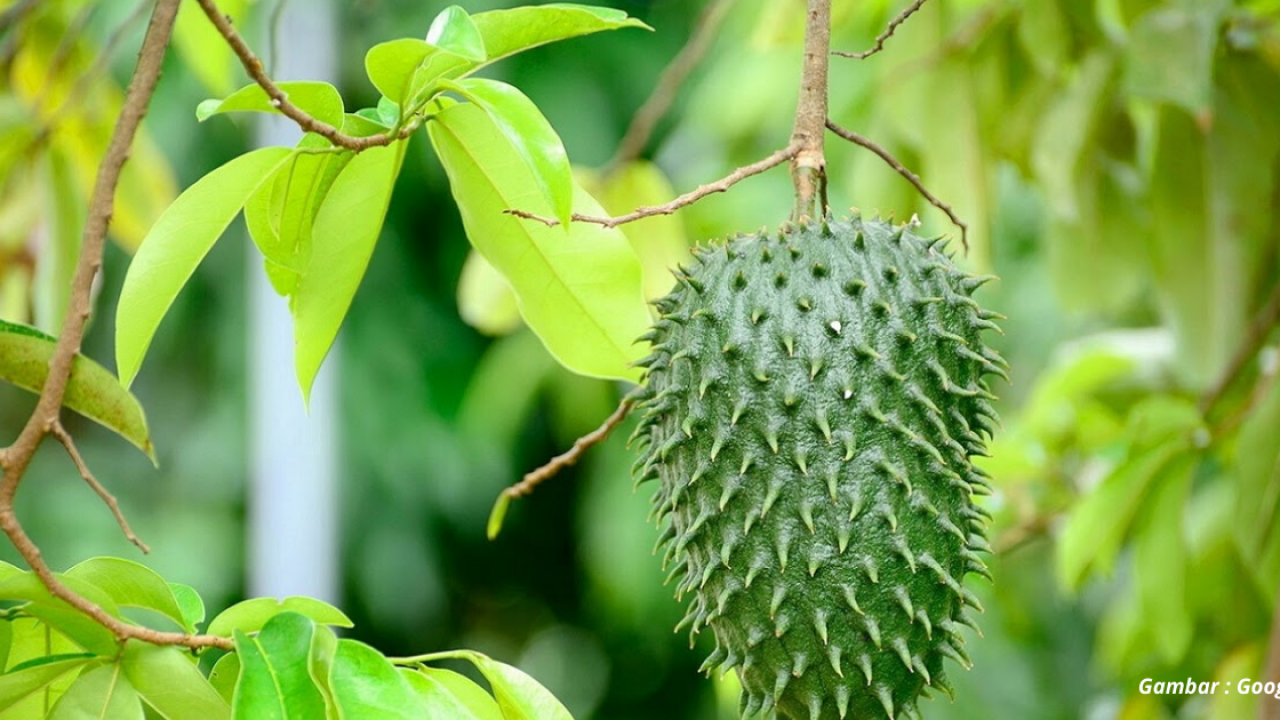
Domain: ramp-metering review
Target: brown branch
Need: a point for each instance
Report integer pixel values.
(280, 99)
(910, 177)
(685, 200)
(1255, 337)
(60, 433)
(533, 479)
(809, 166)
(15, 459)
(888, 33)
(673, 77)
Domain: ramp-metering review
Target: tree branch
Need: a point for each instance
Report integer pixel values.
(809, 166)
(888, 33)
(910, 177)
(64, 437)
(532, 479)
(664, 94)
(280, 99)
(685, 200)
(15, 459)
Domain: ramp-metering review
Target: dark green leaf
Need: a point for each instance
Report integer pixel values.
(250, 616)
(274, 679)
(92, 391)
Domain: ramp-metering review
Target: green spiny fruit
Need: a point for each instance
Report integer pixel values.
(810, 409)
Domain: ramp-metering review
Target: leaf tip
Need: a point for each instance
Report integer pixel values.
(497, 515)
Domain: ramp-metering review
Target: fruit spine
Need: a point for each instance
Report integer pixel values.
(810, 409)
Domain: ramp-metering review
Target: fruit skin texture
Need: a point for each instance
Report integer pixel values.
(810, 409)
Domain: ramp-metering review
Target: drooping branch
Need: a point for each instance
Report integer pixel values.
(888, 33)
(910, 177)
(809, 165)
(44, 420)
(533, 479)
(664, 94)
(61, 435)
(280, 99)
(684, 200)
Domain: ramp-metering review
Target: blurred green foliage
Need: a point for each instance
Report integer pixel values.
(1117, 162)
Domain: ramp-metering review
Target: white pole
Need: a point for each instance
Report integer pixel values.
(292, 504)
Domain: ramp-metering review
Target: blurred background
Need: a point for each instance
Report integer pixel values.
(1116, 161)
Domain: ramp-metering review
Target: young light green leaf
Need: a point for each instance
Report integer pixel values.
(79, 628)
(507, 32)
(497, 515)
(274, 679)
(320, 100)
(528, 131)
(390, 65)
(441, 701)
(453, 30)
(203, 49)
(580, 291)
(367, 687)
(469, 695)
(1160, 562)
(176, 244)
(324, 646)
(485, 299)
(191, 603)
(224, 675)
(21, 684)
(104, 693)
(343, 237)
(130, 584)
(519, 696)
(250, 616)
(92, 391)
(171, 684)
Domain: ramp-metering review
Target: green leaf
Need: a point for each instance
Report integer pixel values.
(202, 48)
(1160, 562)
(497, 515)
(225, 674)
(580, 292)
(92, 390)
(390, 65)
(275, 681)
(485, 299)
(324, 646)
(1099, 522)
(130, 584)
(345, 232)
(176, 244)
(250, 616)
(19, 685)
(58, 615)
(171, 684)
(1171, 55)
(507, 32)
(528, 131)
(365, 685)
(469, 700)
(519, 696)
(454, 31)
(191, 604)
(103, 692)
(320, 100)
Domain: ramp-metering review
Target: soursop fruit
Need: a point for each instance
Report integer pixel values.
(809, 410)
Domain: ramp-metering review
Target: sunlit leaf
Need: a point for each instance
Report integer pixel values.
(366, 686)
(274, 679)
(485, 299)
(130, 584)
(64, 211)
(324, 646)
(225, 674)
(346, 230)
(519, 696)
(171, 684)
(190, 603)
(448, 694)
(534, 140)
(84, 631)
(1160, 562)
(18, 686)
(177, 243)
(318, 99)
(453, 30)
(103, 692)
(203, 48)
(507, 32)
(249, 616)
(92, 390)
(580, 291)
(390, 65)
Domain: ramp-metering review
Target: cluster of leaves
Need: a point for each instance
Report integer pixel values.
(315, 211)
(287, 661)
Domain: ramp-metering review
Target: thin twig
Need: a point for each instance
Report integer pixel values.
(15, 459)
(910, 177)
(685, 200)
(531, 480)
(280, 99)
(64, 437)
(1255, 337)
(888, 33)
(668, 87)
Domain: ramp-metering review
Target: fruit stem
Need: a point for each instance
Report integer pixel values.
(809, 166)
